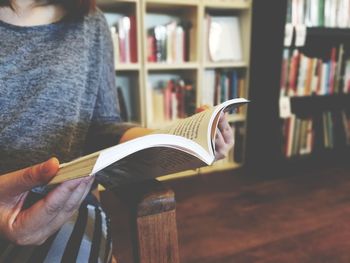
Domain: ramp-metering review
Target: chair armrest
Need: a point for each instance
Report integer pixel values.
(143, 218)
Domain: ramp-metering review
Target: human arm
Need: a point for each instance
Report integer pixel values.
(33, 225)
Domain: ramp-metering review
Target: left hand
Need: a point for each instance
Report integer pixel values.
(33, 225)
(224, 139)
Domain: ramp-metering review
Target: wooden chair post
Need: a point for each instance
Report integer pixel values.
(150, 224)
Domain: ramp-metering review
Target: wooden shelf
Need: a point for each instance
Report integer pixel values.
(179, 175)
(204, 170)
(219, 166)
(327, 129)
(173, 2)
(143, 75)
(328, 32)
(302, 105)
(127, 67)
(168, 66)
(116, 5)
(233, 64)
(228, 4)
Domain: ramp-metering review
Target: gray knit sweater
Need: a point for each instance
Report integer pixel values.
(56, 83)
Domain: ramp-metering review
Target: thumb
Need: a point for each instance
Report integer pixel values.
(24, 180)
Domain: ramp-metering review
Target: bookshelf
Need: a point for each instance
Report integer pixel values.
(184, 21)
(266, 143)
(315, 81)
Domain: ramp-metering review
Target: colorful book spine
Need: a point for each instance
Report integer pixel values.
(173, 99)
(303, 75)
(319, 13)
(169, 43)
(302, 136)
(124, 37)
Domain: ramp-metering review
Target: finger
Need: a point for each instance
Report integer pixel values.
(225, 129)
(220, 146)
(78, 196)
(24, 180)
(88, 190)
(72, 205)
(45, 210)
(69, 208)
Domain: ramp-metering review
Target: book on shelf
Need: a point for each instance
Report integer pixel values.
(124, 37)
(221, 85)
(187, 144)
(345, 118)
(224, 39)
(347, 77)
(319, 13)
(326, 130)
(303, 75)
(170, 100)
(169, 43)
(298, 136)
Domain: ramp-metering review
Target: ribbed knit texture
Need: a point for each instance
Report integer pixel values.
(55, 82)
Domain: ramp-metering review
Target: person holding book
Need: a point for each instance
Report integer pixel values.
(58, 98)
(56, 90)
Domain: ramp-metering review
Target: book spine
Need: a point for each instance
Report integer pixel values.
(133, 40)
(151, 48)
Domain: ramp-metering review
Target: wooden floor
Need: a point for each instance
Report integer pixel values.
(284, 218)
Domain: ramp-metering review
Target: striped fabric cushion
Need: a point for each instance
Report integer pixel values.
(84, 238)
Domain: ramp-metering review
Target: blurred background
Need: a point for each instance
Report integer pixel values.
(281, 194)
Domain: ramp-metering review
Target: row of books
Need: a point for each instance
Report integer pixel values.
(124, 39)
(319, 13)
(221, 85)
(304, 135)
(304, 76)
(169, 43)
(171, 100)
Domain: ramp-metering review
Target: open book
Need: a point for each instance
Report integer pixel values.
(187, 144)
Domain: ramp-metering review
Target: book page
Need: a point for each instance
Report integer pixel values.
(94, 163)
(146, 164)
(194, 128)
(184, 145)
(75, 169)
(201, 127)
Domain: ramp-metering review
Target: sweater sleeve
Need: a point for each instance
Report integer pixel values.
(106, 108)
(107, 127)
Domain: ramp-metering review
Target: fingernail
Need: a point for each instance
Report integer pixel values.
(48, 166)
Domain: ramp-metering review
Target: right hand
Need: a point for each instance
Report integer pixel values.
(32, 226)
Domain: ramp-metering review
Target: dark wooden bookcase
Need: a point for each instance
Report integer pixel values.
(264, 131)
(262, 148)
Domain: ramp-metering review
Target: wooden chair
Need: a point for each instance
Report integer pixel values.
(143, 222)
